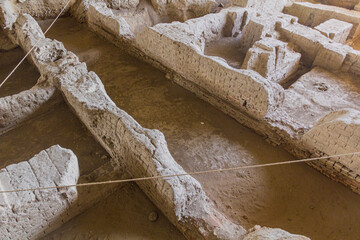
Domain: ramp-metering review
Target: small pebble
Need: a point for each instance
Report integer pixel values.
(202, 123)
(153, 216)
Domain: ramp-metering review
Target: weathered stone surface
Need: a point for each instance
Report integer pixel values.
(43, 8)
(171, 44)
(312, 15)
(182, 10)
(34, 211)
(308, 40)
(144, 152)
(272, 59)
(115, 28)
(331, 56)
(352, 62)
(267, 6)
(350, 4)
(262, 25)
(16, 108)
(338, 133)
(7, 15)
(335, 30)
(30, 215)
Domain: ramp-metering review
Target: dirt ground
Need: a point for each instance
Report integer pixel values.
(122, 215)
(293, 197)
(24, 78)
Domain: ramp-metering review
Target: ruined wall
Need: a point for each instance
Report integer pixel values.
(272, 59)
(18, 107)
(314, 14)
(350, 4)
(101, 19)
(26, 215)
(352, 62)
(41, 9)
(34, 214)
(338, 133)
(181, 10)
(268, 6)
(179, 47)
(318, 50)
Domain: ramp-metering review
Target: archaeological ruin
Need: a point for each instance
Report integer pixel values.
(180, 119)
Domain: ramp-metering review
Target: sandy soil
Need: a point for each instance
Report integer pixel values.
(294, 197)
(123, 215)
(23, 78)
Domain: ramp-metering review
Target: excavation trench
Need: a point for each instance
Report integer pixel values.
(54, 123)
(293, 197)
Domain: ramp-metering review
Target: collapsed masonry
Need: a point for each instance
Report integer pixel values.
(293, 63)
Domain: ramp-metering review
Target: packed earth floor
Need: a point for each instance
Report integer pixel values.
(293, 197)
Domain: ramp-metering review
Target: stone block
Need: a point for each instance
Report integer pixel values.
(331, 56)
(272, 59)
(335, 29)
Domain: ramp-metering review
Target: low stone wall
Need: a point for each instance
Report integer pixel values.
(311, 15)
(179, 47)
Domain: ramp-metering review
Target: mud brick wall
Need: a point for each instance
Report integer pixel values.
(318, 50)
(17, 107)
(181, 53)
(352, 62)
(101, 19)
(28, 214)
(314, 14)
(338, 133)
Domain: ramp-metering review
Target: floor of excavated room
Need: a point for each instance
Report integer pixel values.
(293, 197)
